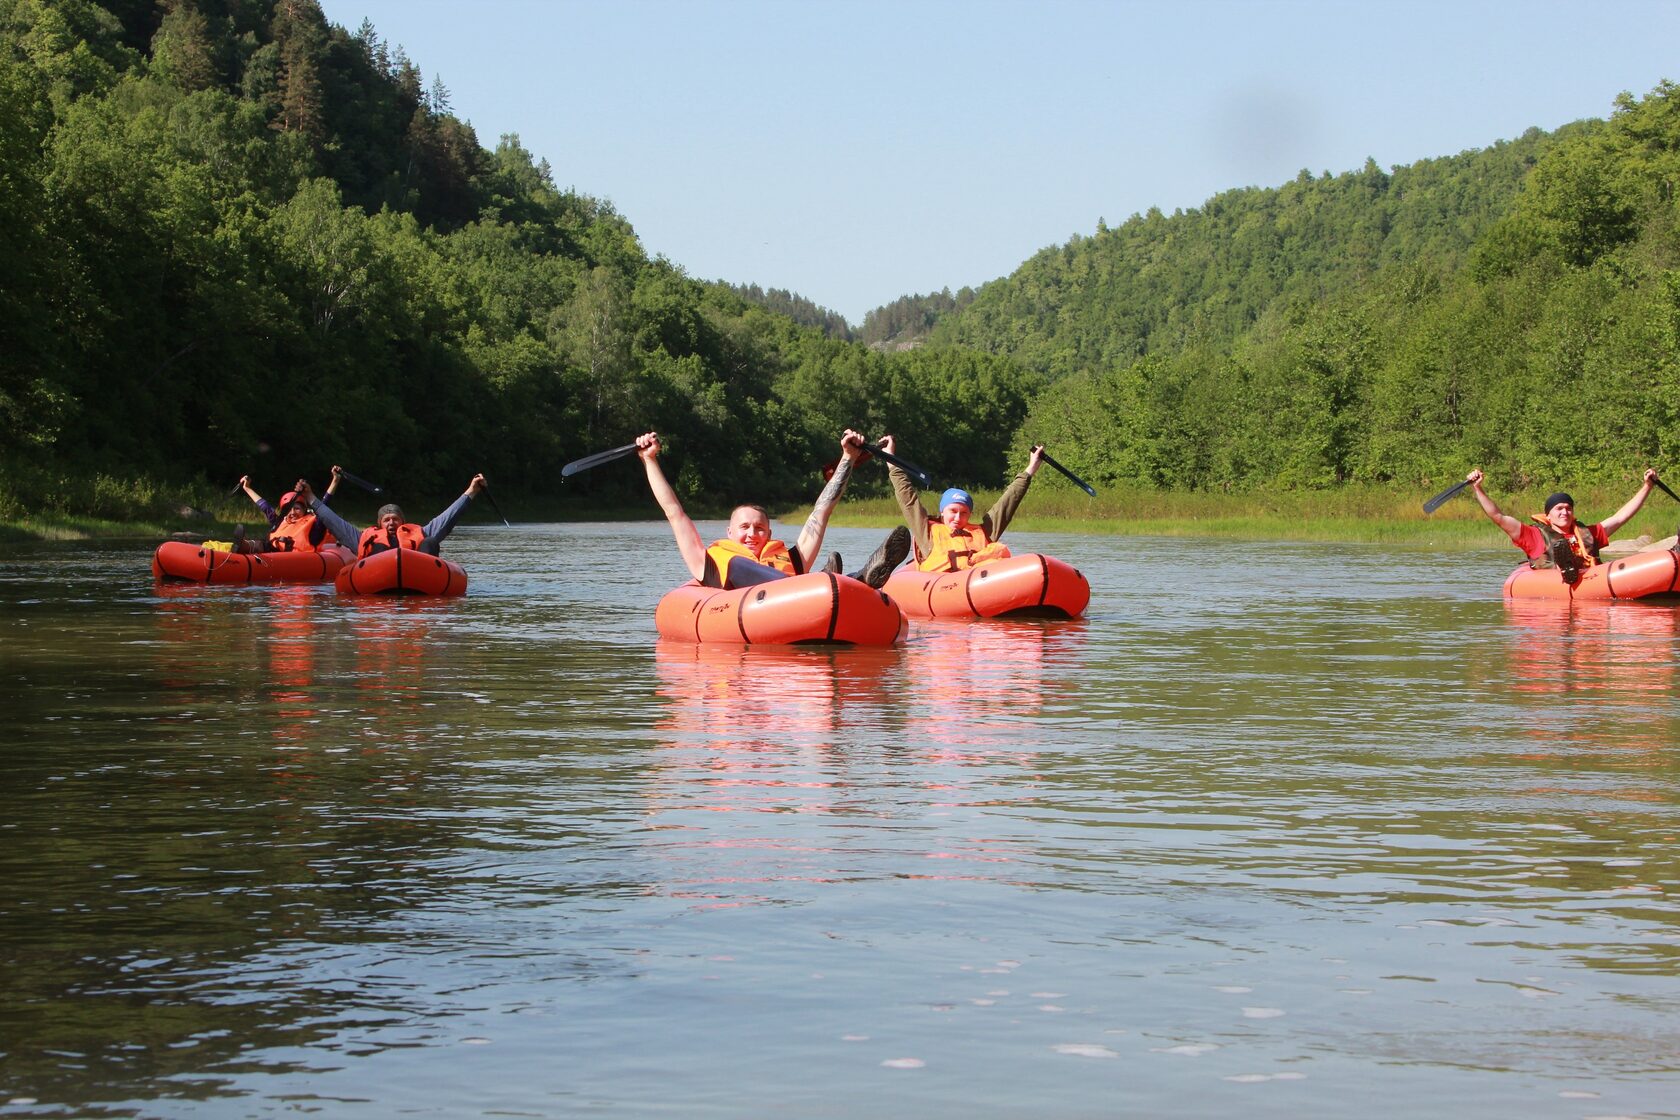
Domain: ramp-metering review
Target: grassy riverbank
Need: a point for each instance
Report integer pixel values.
(1362, 514)
(1371, 515)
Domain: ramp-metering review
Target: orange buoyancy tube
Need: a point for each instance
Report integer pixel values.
(378, 540)
(180, 562)
(817, 607)
(1028, 585)
(953, 550)
(293, 533)
(402, 571)
(775, 555)
(1633, 576)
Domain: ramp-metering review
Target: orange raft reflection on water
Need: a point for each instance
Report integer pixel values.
(180, 562)
(1028, 585)
(1634, 576)
(815, 607)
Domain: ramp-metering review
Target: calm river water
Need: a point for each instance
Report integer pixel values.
(1277, 831)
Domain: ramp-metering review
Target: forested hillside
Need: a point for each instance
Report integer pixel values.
(909, 320)
(235, 238)
(239, 239)
(1514, 308)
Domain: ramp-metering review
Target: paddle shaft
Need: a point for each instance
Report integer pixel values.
(1077, 481)
(1661, 486)
(497, 508)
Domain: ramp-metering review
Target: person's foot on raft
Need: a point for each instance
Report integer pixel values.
(884, 559)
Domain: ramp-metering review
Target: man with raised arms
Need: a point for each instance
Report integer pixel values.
(747, 554)
(1554, 538)
(392, 529)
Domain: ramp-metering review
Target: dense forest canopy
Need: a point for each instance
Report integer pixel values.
(238, 238)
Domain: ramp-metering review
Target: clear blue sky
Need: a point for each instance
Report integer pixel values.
(857, 152)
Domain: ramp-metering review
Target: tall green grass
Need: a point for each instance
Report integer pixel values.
(38, 502)
(50, 503)
(1371, 514)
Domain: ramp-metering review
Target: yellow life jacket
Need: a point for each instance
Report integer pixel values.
(967, 547)
(377, 540)
(775, 555)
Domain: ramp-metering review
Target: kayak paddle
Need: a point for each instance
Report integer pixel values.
(917, 475)
(596, 460)
(1077, 481)
(1444, 496)
(494, 506)
(362, 482)
(1660, 486)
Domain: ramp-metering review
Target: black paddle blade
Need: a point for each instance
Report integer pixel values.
(362, 482)
(921, 478)
(238, 487)
(1444, 496)
(596, 460)
(1658, 483)
(1077, 481)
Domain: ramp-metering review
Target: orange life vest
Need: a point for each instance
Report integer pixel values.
(775, 555)
(292, 535)
(377, 540)
(953, 551)
(1581, 541)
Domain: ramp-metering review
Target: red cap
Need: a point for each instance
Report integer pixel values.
(288, 498)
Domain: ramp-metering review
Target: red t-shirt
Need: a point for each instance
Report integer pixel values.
(1533, 542)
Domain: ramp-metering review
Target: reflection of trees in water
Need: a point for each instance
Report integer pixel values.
(281, 796)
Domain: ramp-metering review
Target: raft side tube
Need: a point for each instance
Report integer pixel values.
(1633, 576)
(180, 562)
(1031, 584)
(817, 607)
(402, 571)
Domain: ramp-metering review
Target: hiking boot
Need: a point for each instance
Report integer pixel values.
(833, 567)
(240, 544)
(884, 559)
(1563, 558)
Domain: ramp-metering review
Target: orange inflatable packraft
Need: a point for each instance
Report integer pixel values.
(1026, 585)
(815, 607)
(402, 571)
(180, 562)
(1633, 576)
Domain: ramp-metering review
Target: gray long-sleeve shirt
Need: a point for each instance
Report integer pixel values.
(434, 530)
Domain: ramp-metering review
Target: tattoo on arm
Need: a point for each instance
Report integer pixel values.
(825, 501)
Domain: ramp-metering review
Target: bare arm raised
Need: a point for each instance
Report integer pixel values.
(682, 527)
(811, 536)
(1511, 526)
(1622, 516)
